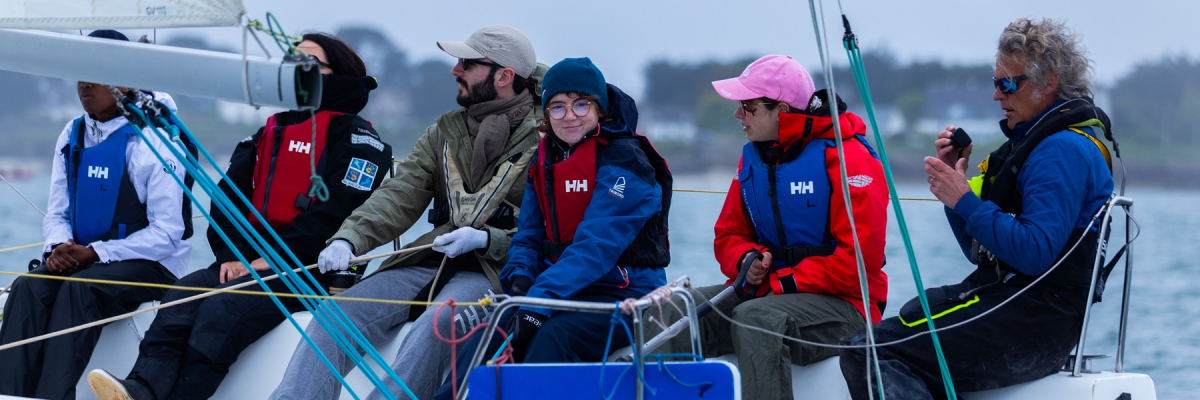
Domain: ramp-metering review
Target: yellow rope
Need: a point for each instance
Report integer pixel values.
(26, 246)
(227, 290)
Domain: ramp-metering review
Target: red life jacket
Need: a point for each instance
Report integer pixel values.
(574, 179)
(281, 169)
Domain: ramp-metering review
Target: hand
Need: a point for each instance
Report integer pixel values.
(60, 260)
(335, 257)
(235, 269)
(758, 270)
(946, 151)
(522, 327)
(947, 184)
(460, 241)
(520, 286)
(231, 270)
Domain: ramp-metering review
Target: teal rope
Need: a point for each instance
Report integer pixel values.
(274, 259)
(220, 232)
(860, 77)
(338, 315)
(318, 188)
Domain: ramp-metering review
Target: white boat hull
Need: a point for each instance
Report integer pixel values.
(260, 368)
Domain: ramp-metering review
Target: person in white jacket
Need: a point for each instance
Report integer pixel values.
(115, 213)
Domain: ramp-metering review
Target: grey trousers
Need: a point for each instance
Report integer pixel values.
(422, 360)
(764, 360)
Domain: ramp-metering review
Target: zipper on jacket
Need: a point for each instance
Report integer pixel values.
(277, 137)
(550, 198)
(772, 193)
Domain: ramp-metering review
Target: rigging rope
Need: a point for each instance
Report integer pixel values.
(850, 42)
(822, 49)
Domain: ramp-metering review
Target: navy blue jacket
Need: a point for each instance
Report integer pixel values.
(609, 226)
(1063, 183)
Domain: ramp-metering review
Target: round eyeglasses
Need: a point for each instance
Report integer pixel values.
(579, 107)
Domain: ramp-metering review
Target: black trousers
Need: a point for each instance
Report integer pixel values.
(51, 368)
(188, 349)
(1027, 339)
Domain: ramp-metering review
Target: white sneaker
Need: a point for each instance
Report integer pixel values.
(106, 386)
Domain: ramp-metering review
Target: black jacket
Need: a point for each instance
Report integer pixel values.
(310, 229)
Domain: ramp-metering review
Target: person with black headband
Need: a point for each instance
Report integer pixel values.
(114, 213)
(471, 164)
(1031, 220)
(188, 349)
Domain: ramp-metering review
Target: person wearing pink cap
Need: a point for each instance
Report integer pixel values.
(784, 238)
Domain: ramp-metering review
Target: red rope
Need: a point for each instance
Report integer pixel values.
(505, 356)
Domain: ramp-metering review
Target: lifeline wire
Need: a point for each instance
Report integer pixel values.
(14, 188)
(919, 334)
(850, 42)
(822, 49)
(242, 225)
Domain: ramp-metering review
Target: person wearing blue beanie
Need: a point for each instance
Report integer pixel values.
(592, 226)
(576, 75)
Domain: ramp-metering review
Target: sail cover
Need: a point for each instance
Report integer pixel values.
(119, 14)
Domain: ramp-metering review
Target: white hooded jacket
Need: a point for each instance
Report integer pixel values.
(162, 240)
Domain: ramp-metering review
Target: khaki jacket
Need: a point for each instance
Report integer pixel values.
(425, 176)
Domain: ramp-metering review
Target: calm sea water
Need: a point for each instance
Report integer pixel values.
(1164, 327)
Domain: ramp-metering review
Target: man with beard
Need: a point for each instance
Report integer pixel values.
(471, 163)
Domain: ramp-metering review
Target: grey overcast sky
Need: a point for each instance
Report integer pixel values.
(622, 36)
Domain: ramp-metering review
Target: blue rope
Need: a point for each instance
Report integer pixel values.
(226, 239)
(662, 367)
(293, 283)
(850, 42)
(616, 318)
(224, 203)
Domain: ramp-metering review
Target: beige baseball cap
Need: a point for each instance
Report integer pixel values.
(503, 44)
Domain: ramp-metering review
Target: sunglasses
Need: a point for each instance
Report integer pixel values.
(1008, 85)
(746, 104)
(468, 62)
(580, 108)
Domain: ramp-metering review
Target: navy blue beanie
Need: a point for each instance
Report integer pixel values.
(108, 34)
(575, 75)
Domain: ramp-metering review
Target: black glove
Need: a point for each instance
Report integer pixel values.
(522, 327)
(520, 286)
(743, 290)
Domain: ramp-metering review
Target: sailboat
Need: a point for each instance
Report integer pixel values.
(294, 83)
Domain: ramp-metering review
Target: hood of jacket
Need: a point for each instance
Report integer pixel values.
(346, 94)
(796, 129)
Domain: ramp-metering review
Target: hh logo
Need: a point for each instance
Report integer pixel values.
(577, 185)
(98, 172)
(802, 187)
(300, 147)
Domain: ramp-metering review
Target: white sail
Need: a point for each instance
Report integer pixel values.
(119, 14)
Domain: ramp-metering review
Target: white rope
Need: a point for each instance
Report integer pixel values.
(188, 299)
(822, 49)
(14, 188)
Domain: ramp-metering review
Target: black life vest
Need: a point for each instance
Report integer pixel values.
(565, 190)
(1000, 188)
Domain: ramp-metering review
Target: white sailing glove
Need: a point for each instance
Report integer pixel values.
(335, 257)
(460, 241)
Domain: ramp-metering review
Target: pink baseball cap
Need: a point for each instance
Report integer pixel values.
(775, 77)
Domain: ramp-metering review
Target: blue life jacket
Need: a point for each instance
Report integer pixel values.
(788, 201)
(103, 202)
